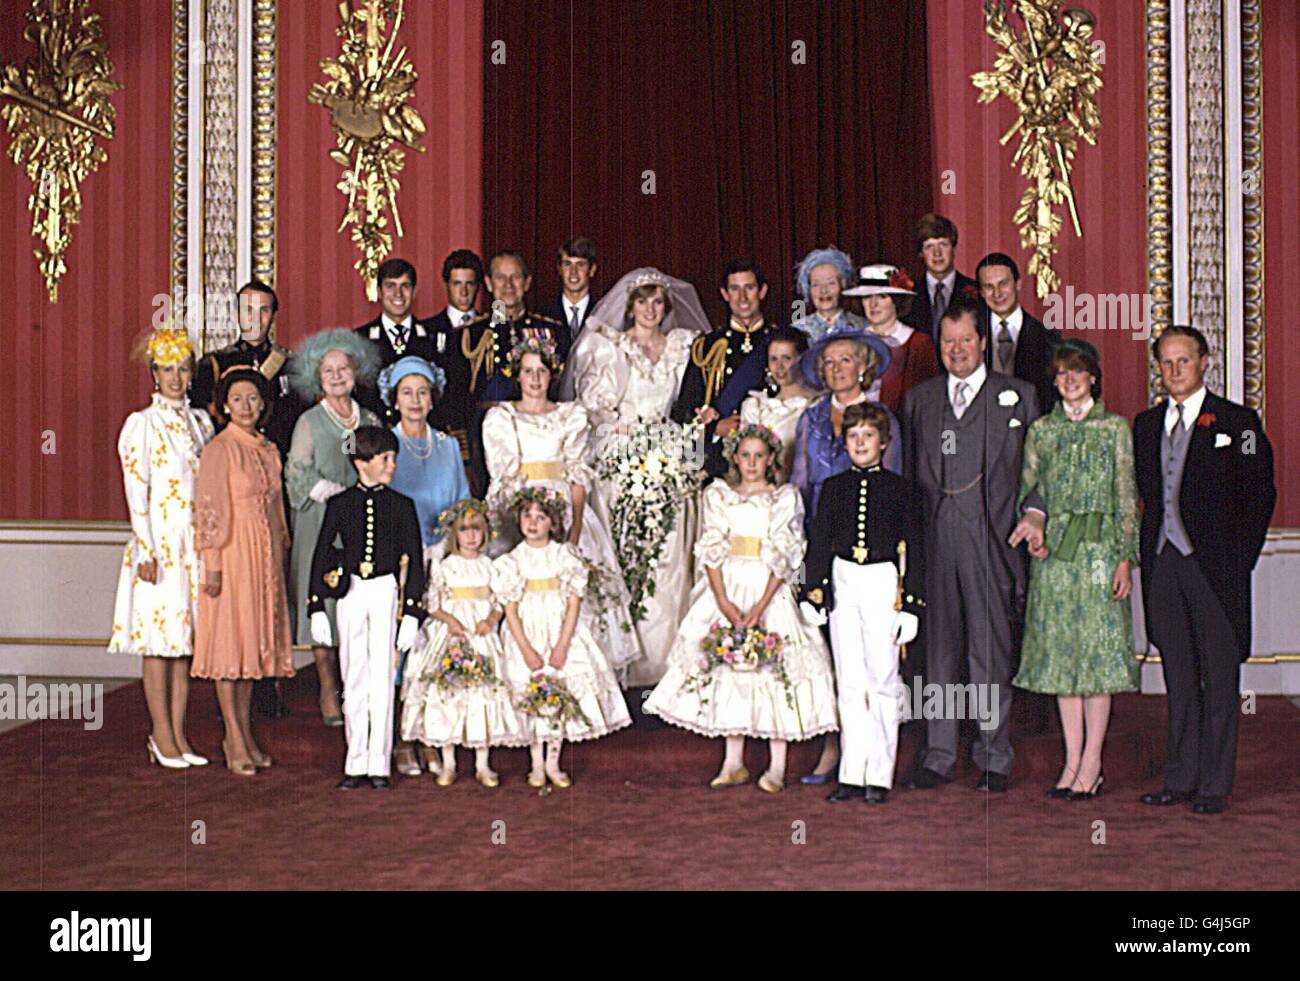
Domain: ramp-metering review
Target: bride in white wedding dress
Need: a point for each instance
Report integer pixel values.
(628, 368)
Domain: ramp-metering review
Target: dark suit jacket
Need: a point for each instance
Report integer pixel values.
(555, 311)
(922, 419)
(1034, 349)
(919, 316)
(453, 410)
(420, 343)
(1226, 501)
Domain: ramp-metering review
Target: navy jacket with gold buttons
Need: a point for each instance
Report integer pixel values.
(378, 526)
(862, 515)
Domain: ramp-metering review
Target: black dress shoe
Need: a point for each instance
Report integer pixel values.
(993, 783)
(1059, 793)
(1210, 805)
(1089, 794)
(350, 783)
(845, 791)
(1164, 798)
(875, 795)
(380, 783)
(926, 779)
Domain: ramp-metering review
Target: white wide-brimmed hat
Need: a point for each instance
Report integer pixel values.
(882, 278)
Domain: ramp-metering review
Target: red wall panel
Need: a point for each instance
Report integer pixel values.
(66, 366)
(440, 196)
(1109, 179)
(1281, 42)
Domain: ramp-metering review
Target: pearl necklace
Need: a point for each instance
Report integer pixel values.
(347, 424)
(837, 404)
(415, 445)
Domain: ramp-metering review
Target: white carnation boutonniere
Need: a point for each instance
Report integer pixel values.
(1008, 396)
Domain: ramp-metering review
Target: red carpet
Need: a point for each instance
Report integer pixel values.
(83, 810)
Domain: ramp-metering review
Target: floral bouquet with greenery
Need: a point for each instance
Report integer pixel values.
(460, 667)
(547, 697)
(739, 649)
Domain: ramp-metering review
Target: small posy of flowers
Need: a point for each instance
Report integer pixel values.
(459, 667)
(900, 280)
(547, 697)
(740, 649)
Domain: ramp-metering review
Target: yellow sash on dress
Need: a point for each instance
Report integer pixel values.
(470, 593)
(541, 585)
(747, 546)
(542, 470)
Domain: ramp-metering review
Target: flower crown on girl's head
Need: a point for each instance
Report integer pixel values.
(544, 348)
(752, 430)
(466, 508)
(548, 499)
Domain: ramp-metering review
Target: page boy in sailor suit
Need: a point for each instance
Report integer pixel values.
(377, 575)
(864, 566)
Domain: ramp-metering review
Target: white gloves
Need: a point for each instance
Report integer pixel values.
(406, 631)
(904, 629)
(813, 615)
(324, 490)
(320, 630)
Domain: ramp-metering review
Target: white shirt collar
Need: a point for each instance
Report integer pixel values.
(1191, 410)
(975, 380)
(455, 317)
(392, 325)
(1087, 407)
(1015, 320)
(581, 307)
(898, 336)
(948, 282)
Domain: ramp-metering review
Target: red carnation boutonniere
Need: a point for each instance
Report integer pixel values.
(900, 280)
(1206, 420)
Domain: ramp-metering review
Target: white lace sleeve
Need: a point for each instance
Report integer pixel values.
(501, 451)
(572, 571)
(782, 549)
(714, 544)
(576, 431)
(507, 580)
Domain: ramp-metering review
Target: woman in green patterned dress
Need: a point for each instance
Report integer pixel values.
(1078, 641)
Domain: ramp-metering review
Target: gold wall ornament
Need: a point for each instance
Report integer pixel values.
(367, 94)
(1050, 74)
(56, 104)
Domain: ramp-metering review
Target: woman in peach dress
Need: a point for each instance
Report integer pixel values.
(242, 633)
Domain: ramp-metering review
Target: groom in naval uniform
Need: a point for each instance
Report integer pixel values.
(963, 433)
(727, 363)
(1205, 475)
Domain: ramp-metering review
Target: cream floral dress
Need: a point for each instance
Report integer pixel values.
(159, 448)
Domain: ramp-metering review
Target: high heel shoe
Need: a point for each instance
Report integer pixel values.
(241, 768)
(262, 761)
(167, 762)
(1088, 794)
(194, 759)
(818, 779)
(733, 779)
(1059, 793)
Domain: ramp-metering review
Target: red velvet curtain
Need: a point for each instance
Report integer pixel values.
(769, 127)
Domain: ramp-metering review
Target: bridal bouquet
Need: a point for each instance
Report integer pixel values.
(459, 667)
(740, 649)
(652, 469)
(549, 698)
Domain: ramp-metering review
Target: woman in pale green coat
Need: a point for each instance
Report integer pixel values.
(327, 369)
(1078, 642)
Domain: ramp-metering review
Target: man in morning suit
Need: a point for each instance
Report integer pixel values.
(727, 362)
(395, 332)
(1197, 550)
(577, 265)
(1018, 344)
(487, 346)
(963, 433)
(936, 240)
(462, 274)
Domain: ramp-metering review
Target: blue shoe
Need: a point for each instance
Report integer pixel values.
(817, 779)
